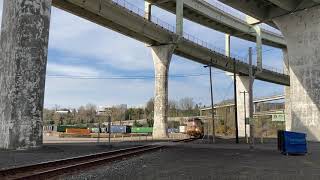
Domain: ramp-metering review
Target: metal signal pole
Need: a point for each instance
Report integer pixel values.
(212, 139)
(212, 108)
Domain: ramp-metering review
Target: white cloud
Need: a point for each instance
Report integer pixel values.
(70, 70)
(76, 92)
(78, 37)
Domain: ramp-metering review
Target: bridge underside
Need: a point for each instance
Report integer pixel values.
(299, 22)
(210, 16)
(24, 47)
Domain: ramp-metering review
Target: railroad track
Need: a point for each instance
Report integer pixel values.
(54, 168)
(185, 140)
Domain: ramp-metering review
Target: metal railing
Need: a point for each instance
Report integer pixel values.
(136, 10)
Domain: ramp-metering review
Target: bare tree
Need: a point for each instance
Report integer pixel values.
(186, 103)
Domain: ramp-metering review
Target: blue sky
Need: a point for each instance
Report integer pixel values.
(78, 47)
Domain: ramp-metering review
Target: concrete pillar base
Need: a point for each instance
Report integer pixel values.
(161, 57)
(302, 33)
(24, 49)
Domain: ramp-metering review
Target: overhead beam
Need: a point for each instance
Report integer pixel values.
(288, 5)
(251, 8)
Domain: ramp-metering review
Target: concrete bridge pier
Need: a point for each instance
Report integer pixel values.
(302, 33)
(286, 70)
(243, 83)
(161, 58)
(24, 49)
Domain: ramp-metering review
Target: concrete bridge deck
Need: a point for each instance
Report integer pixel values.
(211, 16)
(127, 19)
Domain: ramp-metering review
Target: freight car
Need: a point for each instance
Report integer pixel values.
(148, 130)
(62, 128)
(195, 127)
(119, 129)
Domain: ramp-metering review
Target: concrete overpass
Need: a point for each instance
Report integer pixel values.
(24, 47)
(208, 15)
(126, 19)
(164, 39)
(256, 100)
(299, 22)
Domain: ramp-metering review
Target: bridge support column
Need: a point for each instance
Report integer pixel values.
(302, 33)
(257, 30)
(24, 49)
(161, 57)
(258, 46)
(286, 70)
(243, 83)
(227, 45)
(179, 17)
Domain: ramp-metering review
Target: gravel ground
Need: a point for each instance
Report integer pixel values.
(195, 161)
(51, 152)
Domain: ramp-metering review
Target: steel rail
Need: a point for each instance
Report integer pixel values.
(54, 168)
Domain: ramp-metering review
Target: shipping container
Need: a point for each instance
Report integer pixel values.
(95, 130)
(173, 130)
(62, 128)
(141, 129)
(119, 129)
(77, 131)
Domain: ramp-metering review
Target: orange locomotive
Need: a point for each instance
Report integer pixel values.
(195, 127)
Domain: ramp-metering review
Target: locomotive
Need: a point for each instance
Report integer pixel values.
(195, 127)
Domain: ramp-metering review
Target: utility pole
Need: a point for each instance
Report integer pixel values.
(212, 139)
(99, 127)
(245, 115)
(227, 53)
(251, 79)
(109, 128)
(235, 100)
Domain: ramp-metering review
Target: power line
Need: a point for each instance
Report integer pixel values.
(124, 77)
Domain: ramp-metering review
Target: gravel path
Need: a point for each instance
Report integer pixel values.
(195, 161)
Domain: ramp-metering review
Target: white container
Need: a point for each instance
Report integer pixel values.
(182, 129)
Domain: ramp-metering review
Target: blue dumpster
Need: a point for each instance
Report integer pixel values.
(293, 143)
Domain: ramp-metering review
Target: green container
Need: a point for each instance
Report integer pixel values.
(62, 128)
(141, 129)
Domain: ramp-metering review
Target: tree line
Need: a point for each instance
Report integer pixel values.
(88, 114)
